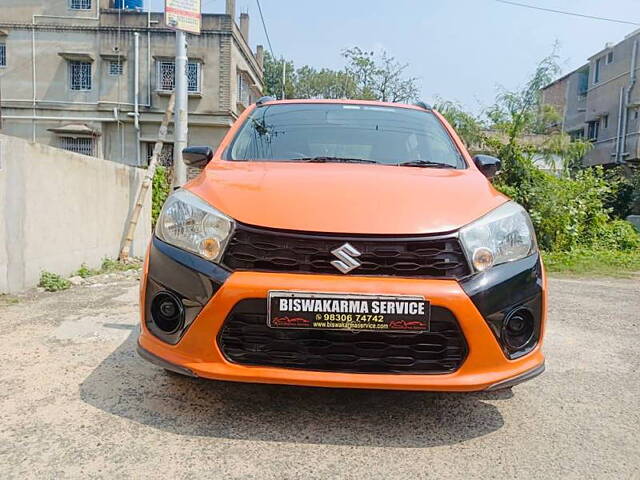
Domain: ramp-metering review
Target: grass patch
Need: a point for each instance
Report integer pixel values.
(582, 262)
(85, 271)
(6, 300)
(52, 282)
(108, 266)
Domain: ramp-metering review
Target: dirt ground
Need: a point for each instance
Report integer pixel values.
(76, 401)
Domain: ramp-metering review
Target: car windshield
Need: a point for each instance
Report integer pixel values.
(337, 132)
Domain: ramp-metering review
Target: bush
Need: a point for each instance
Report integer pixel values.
(52, 282)
(85, 271)
(160, 191)
(567, 213)
(635, 193)
(110, 266)
(621, 181)
(619, 234)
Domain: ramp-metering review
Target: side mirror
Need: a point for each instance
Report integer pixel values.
(488, 165)
(197, 156)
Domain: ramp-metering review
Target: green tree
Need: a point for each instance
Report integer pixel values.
(519, 111)
(362, 68)
(514, 114)
(379, 77)
(392, 85)
(547, 119)
(559, 146)
(365, 76)
(571, 210)
(324, 83)
(272, 69)
(470, 128)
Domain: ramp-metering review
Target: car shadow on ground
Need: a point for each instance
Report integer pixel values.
(127, 386)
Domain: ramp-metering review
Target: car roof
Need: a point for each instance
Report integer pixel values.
(342, 102)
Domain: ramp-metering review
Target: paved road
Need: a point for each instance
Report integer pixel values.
(76, 401)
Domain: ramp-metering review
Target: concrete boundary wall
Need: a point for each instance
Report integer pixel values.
(60, 209)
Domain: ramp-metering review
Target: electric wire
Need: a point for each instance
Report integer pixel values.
(562, 12)
(264, 25)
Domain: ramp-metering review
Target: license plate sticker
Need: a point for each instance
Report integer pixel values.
(330, 311)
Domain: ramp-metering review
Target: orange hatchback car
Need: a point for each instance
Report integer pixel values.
(342, 243)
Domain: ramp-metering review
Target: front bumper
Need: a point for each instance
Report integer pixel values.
(214, 294)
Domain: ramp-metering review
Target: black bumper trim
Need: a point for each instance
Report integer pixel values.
(192, 279)
(215, 272)
(160, 362)
(505, 285)
(502, 289)
(523, 377)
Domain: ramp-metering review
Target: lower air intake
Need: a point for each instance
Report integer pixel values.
(246, 339)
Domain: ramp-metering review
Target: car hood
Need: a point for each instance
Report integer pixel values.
(346, 198)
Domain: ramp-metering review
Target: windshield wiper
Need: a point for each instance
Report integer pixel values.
(332, 159)
(425, 163)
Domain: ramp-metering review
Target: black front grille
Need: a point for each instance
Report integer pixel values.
(246, 339)
(265, 250)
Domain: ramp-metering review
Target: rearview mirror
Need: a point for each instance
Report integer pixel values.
(197, 156)
(488, 165)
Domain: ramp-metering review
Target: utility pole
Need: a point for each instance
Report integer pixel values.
(181, 120)
(284, 77)
(183, 16)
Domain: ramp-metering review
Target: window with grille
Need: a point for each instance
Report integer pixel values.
(80, 4)
(167, 76)
(80, 75)
(166, 155)
(82, 145)
(193, 76)
(3, 55)
(115, 68)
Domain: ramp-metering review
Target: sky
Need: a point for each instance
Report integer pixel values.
(460, 50)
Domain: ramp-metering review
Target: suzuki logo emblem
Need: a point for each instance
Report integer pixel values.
(346, 261)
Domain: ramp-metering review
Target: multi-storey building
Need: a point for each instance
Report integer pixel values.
(89, 77)
(600, 101)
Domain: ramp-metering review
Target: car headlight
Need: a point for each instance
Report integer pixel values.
(188, 222)
(503, 235)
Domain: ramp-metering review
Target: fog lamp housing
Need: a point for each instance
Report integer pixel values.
(167, 312)
(518, 329)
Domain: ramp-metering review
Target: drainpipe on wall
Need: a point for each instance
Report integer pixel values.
(33, 78)
(149, 57)
(619, 128)
(136, 90)
(116, 116)
(627, 100)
